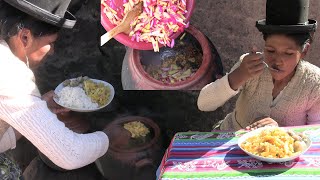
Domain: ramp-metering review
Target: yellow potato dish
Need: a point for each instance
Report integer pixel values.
(137, 129)
(98, 92)
(271, 143)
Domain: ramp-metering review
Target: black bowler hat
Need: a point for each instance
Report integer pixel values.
(51, 11)
(287, 16)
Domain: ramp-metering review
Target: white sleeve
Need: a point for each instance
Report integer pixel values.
(8, 140)
(30, 116)
(217, 93)
(313, 114)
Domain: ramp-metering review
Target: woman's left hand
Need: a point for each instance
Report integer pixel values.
(53, 106)
(261, 123)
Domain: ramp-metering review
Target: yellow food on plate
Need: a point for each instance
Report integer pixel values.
(137, 129)
(271, 143)
(98, 92)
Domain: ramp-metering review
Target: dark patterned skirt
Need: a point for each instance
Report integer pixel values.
(9, 170)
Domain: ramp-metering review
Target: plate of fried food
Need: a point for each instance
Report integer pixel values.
(274, 144)
(83, 94)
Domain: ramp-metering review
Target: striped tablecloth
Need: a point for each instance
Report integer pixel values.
(216, 155)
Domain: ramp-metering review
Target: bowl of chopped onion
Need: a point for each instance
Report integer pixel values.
(158, 25)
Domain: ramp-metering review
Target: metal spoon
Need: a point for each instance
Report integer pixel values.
(271, 68)
(267, 66)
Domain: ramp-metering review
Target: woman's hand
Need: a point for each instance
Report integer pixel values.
(261, 123)
(251, 66)
(118, 136)
(53, 106)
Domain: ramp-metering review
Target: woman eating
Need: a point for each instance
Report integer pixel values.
(277, 87)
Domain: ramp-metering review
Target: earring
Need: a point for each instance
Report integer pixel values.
(27, 61)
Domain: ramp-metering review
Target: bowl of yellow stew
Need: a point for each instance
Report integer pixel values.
(274, 144)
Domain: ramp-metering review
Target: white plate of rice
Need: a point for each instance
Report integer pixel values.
(76, 99)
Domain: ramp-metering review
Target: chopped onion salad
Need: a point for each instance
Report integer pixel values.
(158, 21)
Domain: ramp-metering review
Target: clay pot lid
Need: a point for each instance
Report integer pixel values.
(121, 139)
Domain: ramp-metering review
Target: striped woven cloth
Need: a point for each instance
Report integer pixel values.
(216, 155)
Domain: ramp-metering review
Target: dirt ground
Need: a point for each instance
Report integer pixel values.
(230, 25)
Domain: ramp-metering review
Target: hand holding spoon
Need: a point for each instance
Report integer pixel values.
(267, 66)
(124, 26)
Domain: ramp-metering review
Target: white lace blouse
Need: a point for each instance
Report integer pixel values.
(21, 108)
(297, 104)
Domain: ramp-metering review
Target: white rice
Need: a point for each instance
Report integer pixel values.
(75, 97)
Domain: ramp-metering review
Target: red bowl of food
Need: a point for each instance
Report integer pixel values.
(117, 7)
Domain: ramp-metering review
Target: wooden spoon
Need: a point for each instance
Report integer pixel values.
(124, 26)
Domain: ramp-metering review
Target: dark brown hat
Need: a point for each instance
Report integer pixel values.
(287, 16)
(51, 11)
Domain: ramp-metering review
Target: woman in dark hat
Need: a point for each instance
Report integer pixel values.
(28, 30)
(277, 87)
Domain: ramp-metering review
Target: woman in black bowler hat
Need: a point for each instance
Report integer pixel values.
(28, 30)
(277, 87)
